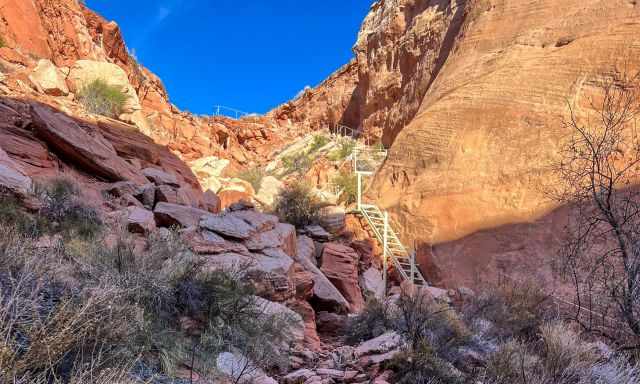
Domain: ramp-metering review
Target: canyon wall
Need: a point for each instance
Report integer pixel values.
(470, 98)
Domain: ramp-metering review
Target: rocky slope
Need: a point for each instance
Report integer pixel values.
(470, 97)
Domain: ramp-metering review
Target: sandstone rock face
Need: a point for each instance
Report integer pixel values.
(159, 177)
(296, 324)
(372, 283)
(140, 220)
(12, 177)
(340, 265)
(471, 105)
(228, 225)
(270, 188)
(49, 78)
(168, 215)
(85, 147)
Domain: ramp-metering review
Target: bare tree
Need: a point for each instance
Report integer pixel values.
(598, 173)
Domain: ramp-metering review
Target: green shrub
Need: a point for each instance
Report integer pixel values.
(103, 99)
(423, 366)
(299, 162)
(348, 184)
(345, 149)
(11, 213)
(372, 322)
(318, 142)
(254, 177)
(296, 204)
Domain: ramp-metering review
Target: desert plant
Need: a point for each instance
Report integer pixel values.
(513, 362)
(318, 142)
(345, 149)
(515, 309)
(297, 204)
(298, 162)
(347, 182)
(101, 98)
(374, 320)
(599, 163)
(253, 176)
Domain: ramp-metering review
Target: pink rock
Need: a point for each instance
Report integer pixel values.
(140, 220)
(340, 265)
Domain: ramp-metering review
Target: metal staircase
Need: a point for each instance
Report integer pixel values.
(366, 161)
(403, 260)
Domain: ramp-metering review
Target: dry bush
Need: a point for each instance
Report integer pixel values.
(565, 355)
(512, 363)
(297, 205)
(374, 320)
(513, 309)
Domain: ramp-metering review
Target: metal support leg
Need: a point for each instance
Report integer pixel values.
(413, 267)
(385, 252)
(359, 191)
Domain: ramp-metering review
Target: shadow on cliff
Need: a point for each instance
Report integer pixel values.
(48, 141)
(523, 250)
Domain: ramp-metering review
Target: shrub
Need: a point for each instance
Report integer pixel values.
(254, 177)
(2, 42)
(372, 322)
(513, 362)
(566, 357)
(103, 99)
(345, 149)
(299, 162)
(423, 366)
(11, 213)
(296, 204)
(348, 184)
(318, 142)
(515, 309)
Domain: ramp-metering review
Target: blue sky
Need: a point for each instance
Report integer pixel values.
(251, 55)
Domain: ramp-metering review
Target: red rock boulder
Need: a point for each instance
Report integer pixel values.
(340, 266)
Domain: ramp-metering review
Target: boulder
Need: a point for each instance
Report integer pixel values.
(274, 261)
(241, 370)
(168, 194)
(205, 242)
(294, 321)
(209, 171)
(340, 265)
(168, 215)
(259, 221)
(333, 218)
(228, 197)
(325, 294)
(311, 338)
(140, 220)
(372, 283)
(147, 195)
(228, 226)
(49, 79)
(122, 188)
(303, 281)
(160, 177)
(83, 72)
(299, 376)
(317, 232)
(381, 344)
(306, 249)
(211, 202)
(13, 178)
(85, 148)
(270, 188)
(283, 236)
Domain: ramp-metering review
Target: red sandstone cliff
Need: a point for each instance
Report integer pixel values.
(470, 97)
